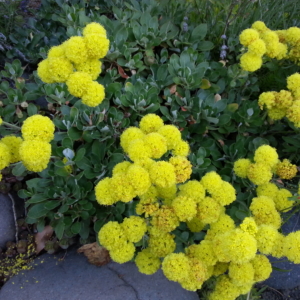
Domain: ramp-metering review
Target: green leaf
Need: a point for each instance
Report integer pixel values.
(85, 229)
(280, 270)
(60, 228)
(76, 227)
(185, 235)
(120, 207)
(37, 198)
(97, 147)
(74, 133)
(61, 172)
(199, 33)
(31, 109)
(79, 154)
(24, 194)
(19, 170)
(205, 46)
(64, 208)
(67, 143)
(37, 211)
(52, 204)
(73, 114)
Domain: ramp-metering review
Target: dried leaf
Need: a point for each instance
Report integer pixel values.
(205, 84)
(122, 72)
(96, 254)
(42, 237)
(217, 97)
(221, 142)
(173, 89)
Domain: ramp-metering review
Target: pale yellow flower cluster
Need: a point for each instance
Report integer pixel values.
(284, 103)
(260, 41)
(76, 62)
(33, 149)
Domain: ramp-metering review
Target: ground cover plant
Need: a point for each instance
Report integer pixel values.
(157, 127)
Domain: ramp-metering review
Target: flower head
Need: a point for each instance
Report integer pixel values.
(176, 266)
(172, 135)
(75, 49)
(39, 128)
(129, 135)
(97, 45)
(91, 66)
(266, 155)
(240, 167)
(259, 173)
(262, 267)
(103, 192)
(251, 62)
(13, 143)
(5, 156)
(35, 155)
(162, 174)
(185, 208)
(94, 95)
(182, 168)
(286, 170)
(134, 228)
(151, 123)
(165, 219)
(248, 36)
(94, 28)
(147, 262)
(78, 83)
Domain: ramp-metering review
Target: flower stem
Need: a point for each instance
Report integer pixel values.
(11, 125)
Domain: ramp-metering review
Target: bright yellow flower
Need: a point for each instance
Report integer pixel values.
(94, 28)
(182, 168)
(94, 94)
(75, 49)
(185, 208)
(13, 143)
(250, 62)
(35, 155)
(39, 128)
(103, 192)
(162, 174)
(176, 266)
(129, 135)
(240, 167)
(91, 66)
(5, 156)
(151, 123)
(78, 83)
(286, 170)
(266, 155)
(248, 36)
(146, 262)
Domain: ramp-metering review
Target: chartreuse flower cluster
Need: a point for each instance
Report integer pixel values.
(266, 163)
(284, 103)
(33, 148)
(260, 41)
(157, 178)
(77, 63)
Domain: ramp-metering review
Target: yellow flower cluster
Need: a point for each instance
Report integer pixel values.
(260, 41)
(286, 170)
(34, 149)
(76, 62)
(260, 171)
(119, 238)
(165, 197)
(284, 103)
